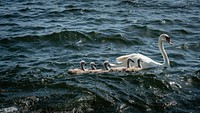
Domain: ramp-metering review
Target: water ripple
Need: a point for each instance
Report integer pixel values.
(40, 41)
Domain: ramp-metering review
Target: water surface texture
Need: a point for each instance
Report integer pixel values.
(40, 40)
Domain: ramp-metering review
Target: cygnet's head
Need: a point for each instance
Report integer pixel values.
(93, 66)
(129, 60)
(106, 64)
(82, 64)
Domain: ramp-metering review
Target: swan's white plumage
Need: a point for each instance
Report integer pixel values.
(148, 62)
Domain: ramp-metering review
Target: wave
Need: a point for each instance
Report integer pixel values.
(160, 4)
(67, 37)
(111, 92)
(41, 40)
(189, 46)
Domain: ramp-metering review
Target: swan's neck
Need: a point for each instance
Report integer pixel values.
(107, 68)
(106, 65)
(139, 65)
(93, 67)
(82, 67)
(128, 63)
(164, 54)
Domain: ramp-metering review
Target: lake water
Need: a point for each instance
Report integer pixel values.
(40, 40)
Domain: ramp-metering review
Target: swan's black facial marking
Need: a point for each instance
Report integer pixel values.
(167, 37)
(168, 40)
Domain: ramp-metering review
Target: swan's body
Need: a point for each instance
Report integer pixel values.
(107, 64)
(93, 66)
(94, 69)
(134, 68)
(120, 69)
(129, 60)
(78, 70)
(148, 62)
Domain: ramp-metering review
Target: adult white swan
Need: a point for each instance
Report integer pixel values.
(148, 62)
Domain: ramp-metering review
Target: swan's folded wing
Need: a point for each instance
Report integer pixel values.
(123, 58)
(146, 61)
(113, 65)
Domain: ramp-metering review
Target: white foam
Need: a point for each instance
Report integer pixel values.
(8, 110)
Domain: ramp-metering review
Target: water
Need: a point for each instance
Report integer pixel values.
(40, 40)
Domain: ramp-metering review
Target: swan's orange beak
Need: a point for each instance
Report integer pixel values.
(169, 41)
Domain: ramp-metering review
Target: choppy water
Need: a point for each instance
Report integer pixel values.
(40, 40)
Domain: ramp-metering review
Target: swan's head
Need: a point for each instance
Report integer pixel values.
(93, 66)
(106, 64)
(82, 63)
(165, 37)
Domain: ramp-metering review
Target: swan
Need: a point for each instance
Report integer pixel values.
(94, 68)
(78, 70)
(134, 68)
(118, 69)
(128, 69)
(129, 60)
(148, 62)
(107, 64)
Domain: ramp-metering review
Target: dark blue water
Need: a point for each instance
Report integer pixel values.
(40, 40)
